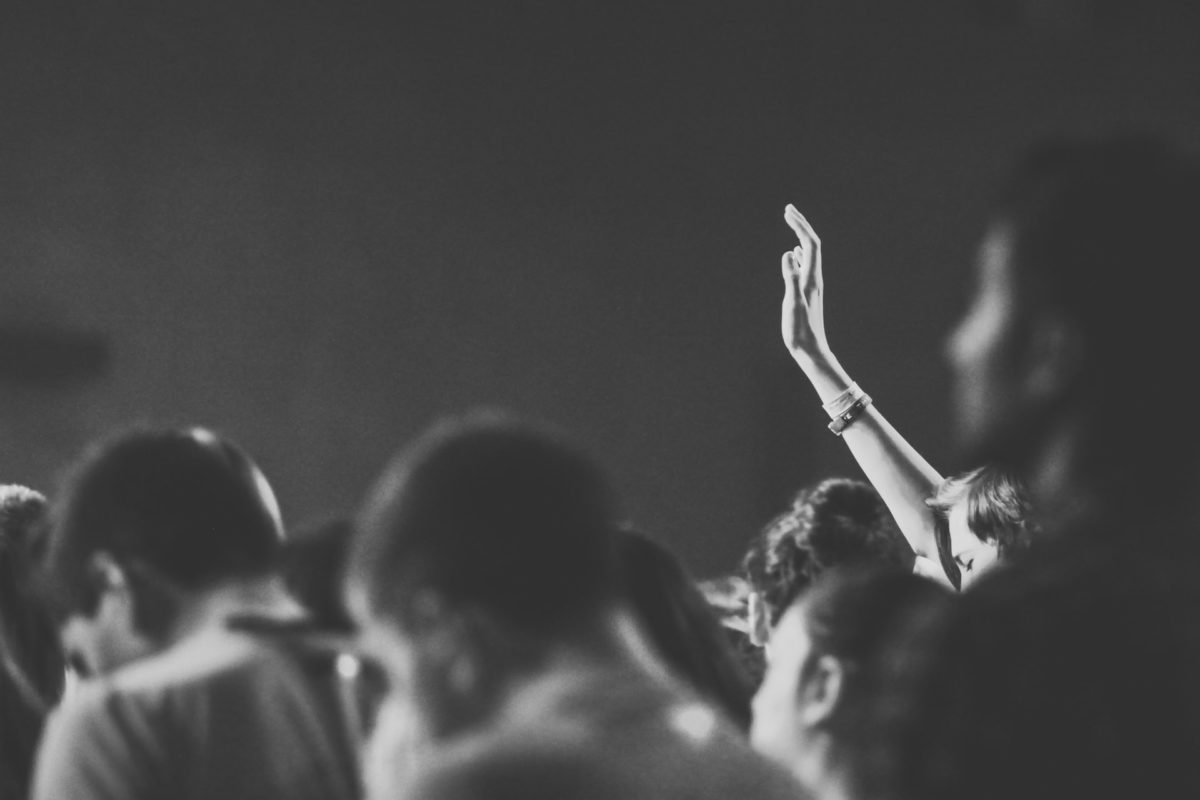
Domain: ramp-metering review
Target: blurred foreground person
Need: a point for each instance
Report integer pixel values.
(1070, 367)
(163, 552)
(683, 626)
(834, 522)
(32, 665)
(485, 574)
(813, 708)
(1071, 670)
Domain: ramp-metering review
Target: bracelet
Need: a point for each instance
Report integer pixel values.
(843, 420)
(840, 404)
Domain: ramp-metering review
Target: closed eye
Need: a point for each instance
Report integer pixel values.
(965, 563)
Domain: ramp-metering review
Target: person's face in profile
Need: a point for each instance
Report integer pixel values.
(776, 730)
(972, 555)
(983, 354)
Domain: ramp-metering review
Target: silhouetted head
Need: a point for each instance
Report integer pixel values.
(488, 542)
(145, 519)
(1070, 364)
(835, 522)
(486, 511)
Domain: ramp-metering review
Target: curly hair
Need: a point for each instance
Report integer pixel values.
(834, 522)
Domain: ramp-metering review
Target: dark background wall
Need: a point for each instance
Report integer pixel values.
(317, 225)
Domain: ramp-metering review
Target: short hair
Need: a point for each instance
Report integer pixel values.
(999, 511)
(488, 512)
(682, 625)
(184, 502)
(833, 522)
(1104, 235)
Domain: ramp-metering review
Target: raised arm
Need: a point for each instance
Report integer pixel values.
(898, 472)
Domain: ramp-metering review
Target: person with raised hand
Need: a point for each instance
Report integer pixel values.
(956, 526)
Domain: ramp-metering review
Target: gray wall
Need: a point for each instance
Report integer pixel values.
(317, 225)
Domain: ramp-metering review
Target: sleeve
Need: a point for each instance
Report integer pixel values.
(91, 750)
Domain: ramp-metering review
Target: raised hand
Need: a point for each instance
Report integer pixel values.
(802, 321)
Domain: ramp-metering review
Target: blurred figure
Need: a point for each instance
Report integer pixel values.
(729, 597)
(951, 524)
(834, 522)
(813, 708)
(485, 574)
(1071, 350)
(163, 553)
(1071, 670)
(683, 626)
(314, 558)
(32, 665)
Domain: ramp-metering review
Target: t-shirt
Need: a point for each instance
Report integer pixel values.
(613, 735)
(225, 714)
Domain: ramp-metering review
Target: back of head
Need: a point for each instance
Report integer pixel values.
(181, 506)
(682, 625)
(835, 522)
(489, 513)
(1103, 238)
(828, 661)
(32, 666)
(851, 613)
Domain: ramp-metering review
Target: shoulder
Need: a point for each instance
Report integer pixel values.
(688, 751)
(499, 769)
(95, 745)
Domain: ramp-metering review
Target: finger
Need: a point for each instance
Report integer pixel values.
(791, 273)
(800, 225)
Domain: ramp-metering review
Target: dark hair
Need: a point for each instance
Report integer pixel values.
(490, 513)
(836, 521)
(850, 613)
(998, 511)
(180, 506)
(314, 559)
(32, 665)
(683, 625)
(1104, 235)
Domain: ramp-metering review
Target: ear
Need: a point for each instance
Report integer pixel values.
(821, 691)
(758, 622)
(1055, 356)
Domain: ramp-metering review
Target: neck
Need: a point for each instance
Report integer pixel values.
(209, 609)
(526, 684)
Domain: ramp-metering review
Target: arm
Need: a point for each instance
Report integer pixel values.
(903, 478)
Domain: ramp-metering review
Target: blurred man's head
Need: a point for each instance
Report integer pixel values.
(147, 521)
(1081, 331)
(487, 539)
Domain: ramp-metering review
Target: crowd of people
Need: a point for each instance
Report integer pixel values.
(488, 624)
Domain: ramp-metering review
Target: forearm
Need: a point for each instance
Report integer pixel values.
(903, 478)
